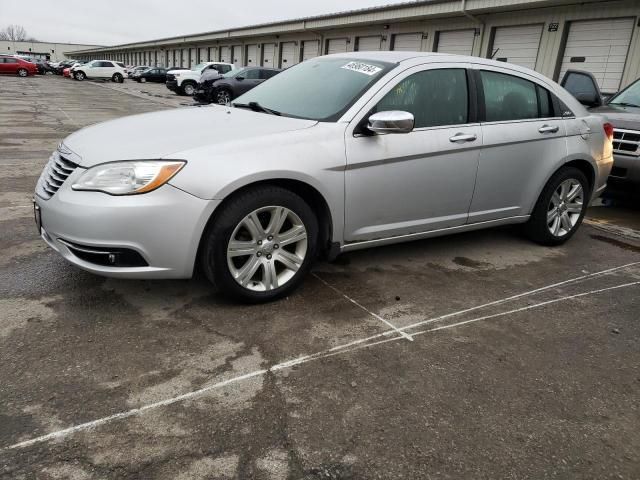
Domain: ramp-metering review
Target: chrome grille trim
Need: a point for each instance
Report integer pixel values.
(54, 175)
(626, 142)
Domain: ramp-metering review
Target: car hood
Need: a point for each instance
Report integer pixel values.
(619, 116)
(165, 134)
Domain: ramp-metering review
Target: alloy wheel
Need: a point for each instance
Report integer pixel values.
(223, 97)
(267, 248)
(188, 89)
(22, 72)
(565, 207)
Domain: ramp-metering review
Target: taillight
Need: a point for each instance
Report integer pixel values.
(608, 131)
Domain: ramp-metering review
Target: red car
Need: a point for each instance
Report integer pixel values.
(17, 66)
(66, 72)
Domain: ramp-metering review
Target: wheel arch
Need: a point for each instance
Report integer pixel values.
(306, 191)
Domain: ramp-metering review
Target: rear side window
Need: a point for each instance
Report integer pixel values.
(545, 104)
(253, 74)
(508, 98)
(434, 97)
(10, 60)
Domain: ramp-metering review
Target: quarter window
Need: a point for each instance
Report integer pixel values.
(434, 97)
(509, 98)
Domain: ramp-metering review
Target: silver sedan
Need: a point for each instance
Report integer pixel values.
(339, 153)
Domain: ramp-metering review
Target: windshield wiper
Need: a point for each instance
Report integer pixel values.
(256, 107)
(624, 104)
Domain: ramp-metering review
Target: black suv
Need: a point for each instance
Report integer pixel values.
(222, 89)
(622, 109)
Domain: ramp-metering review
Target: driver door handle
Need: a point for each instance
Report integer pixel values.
(463, 137)
(548, 129)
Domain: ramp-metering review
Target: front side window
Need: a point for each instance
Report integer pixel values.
(508, 98)
(434, 97)
(252, 74)
(320, 89)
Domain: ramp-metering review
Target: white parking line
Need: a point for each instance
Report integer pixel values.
(374, 315)
(356, 345)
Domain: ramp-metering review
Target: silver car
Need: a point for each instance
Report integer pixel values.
(339, 153)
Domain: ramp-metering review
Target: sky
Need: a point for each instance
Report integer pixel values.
(110, 22)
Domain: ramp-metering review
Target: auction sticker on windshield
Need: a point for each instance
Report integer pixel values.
(362, 68)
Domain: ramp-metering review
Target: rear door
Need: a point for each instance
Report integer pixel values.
(523, 141)
(251, 78)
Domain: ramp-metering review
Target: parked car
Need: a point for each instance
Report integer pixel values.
(184, 82)
(221, 89)
(59, 68)
(153, 74)
(99, 69)
(622, 109)
(10, 65)
(39, 63)
(338, 153)
(133, 70)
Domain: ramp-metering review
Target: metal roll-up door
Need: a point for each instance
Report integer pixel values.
(310, 49)
(268, 55)
(458, 42)
(287, 54)
(369, 44)
(212, 54)
(225, 54)
(252, 55)
(202, 57)
(193, 60)
(407, 42)
(184, 62)
(236, 55)
(518, 45)
(336, 45)
(600, 47)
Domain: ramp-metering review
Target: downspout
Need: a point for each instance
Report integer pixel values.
(466, 13)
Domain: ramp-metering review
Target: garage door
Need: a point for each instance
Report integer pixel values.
(310, 49)
(336, 45)
(252, 55)
(600, 47)
(458, 42)
(287, 54)
(225, 54)
(517, 45)
(185, 58)
(203, 55)
(407, 42)
(268, 55)
(193, 57)
(368, 44)
(236, 52)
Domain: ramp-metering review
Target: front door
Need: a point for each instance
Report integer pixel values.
(524, 139)
(399, 184)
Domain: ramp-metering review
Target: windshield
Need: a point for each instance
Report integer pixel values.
(629, 96)
(233, 73)
(319, 89)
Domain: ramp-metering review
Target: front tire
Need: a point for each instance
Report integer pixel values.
(261, 244)
(560, 208)
(223, 96)
(80, 76)
(188, 89)
(23, 72)
(117, 78)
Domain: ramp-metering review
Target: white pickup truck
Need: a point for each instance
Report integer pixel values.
(184, 82)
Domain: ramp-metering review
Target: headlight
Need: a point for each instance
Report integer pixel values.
(128, 178)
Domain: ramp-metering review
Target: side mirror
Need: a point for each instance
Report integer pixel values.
(588, 99)
(240, 78)
(393, 121)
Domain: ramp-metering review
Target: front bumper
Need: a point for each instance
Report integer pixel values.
(164, 227)
(172, 85)
(203, 93)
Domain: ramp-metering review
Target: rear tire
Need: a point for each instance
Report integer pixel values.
(23, 72)
(560, 208)
(261, 245)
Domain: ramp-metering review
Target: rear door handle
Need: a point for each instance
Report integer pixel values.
(548, 129)
(463, 137)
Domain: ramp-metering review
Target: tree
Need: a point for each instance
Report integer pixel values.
(15, 33)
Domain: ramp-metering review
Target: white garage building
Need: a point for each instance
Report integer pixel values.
(550, 36)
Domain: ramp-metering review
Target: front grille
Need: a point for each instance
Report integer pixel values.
(626, 142)
(54, 175)
(170, 77)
